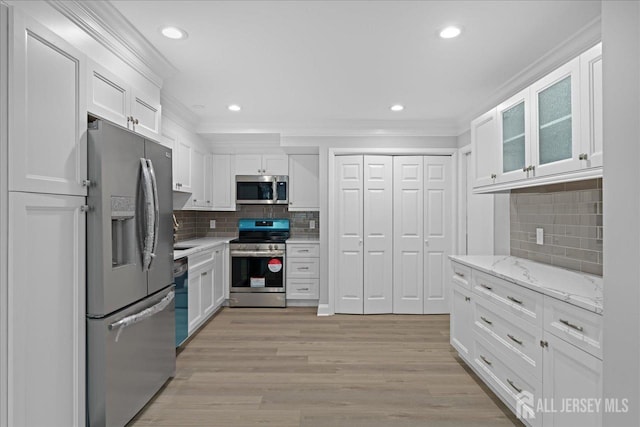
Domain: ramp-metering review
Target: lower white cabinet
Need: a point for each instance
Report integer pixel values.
(46, 310)
(303, 270)
(206, 285)
(540, 355)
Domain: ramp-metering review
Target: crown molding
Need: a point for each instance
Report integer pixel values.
(176, 111)
(583, 39)
(105, 24)
(337, 128)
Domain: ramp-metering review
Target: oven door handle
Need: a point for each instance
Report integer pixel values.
(257, 254)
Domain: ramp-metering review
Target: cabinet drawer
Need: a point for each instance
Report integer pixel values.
(304, 268)
(515, 389)
(515, 299)
(575, 325)
(461, 274)
(199, 258)
(303, 289)
(512, 335)
(299, 250)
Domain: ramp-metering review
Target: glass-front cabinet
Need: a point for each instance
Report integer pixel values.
(555, 142)
(513, 128)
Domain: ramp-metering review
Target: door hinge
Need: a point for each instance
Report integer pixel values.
(85, 208)
(87, 183)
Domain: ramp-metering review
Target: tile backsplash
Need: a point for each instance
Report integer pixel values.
(570, 215)
(194, 224)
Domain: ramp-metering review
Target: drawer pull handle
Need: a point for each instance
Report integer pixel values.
(303, 250)
(303, 268)
(484, 359)
(517, 301)
(459, 274)
(303, 289)
(571, 325)
(489, 288)
(519, 390)
(467, 298)
(514, 339)
(485, 320)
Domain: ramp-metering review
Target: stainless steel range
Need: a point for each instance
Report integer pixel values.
(257, 275)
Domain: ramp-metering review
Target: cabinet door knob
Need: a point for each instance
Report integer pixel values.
(494, 176)
(583, 156)
(135, 121)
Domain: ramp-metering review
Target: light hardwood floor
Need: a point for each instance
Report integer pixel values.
(288, 367)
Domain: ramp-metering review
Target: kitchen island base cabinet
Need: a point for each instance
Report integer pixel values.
(206, 284)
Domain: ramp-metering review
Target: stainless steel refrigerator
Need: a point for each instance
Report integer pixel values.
(130, 306)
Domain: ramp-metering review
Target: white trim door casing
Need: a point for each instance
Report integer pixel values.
(408, 234)
(438, 233)
(378, 234)
(350, 260)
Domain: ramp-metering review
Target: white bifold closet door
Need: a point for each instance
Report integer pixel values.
(423, 227)
(365, 244)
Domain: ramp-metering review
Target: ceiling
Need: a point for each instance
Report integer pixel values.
(315, 64)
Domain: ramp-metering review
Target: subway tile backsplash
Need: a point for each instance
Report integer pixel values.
(570, 215)
(195, 224)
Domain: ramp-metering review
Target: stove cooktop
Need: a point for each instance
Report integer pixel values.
(257, 240)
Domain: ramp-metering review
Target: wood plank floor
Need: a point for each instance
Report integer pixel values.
(288, 367)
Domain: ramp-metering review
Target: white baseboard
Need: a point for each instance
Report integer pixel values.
(302, 303)
(323, 310)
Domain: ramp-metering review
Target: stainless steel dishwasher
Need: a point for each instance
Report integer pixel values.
(181, 279)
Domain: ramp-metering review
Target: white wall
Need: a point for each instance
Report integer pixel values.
(621, 202)
(3, 212)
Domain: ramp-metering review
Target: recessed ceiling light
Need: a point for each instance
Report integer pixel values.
(234, 107)
(450, 32)
(173, 33)
(397, 107)
(197, 107)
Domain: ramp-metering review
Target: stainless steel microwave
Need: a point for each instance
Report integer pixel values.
(262, 189)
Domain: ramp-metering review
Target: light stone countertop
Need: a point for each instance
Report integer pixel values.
(580, 289)
(199, 245)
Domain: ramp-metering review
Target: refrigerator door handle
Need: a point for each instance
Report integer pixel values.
(156, 211)
(142, 315)
(147, 212)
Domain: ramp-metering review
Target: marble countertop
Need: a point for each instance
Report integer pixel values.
(199, 245)
(580, 289)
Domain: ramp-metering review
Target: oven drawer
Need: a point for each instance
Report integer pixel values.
(301, 250)
(303, 288)
(303, 268)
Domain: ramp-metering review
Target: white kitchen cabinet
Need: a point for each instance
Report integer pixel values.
(47, 112)
(592, 139)
(219, 275)
(461, 321)
(303, 270)
(111, 98)
(182, 165)
(194, 306)
(550, 132)
(46, 310)
(201, 177)
(262, 164)
(304, 184)
(485, 148)
(570, 373)
(223, 197)
(207, 302)
(422, 233)
(206, 284)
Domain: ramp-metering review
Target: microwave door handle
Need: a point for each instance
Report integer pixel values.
(274, 184)
(156, 211)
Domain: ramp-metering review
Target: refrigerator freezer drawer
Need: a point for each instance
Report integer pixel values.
(131, 354)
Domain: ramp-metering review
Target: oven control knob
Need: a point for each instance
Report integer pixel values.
(270, 247)
(275, 247)
(257, 247)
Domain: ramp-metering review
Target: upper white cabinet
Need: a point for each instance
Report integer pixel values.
(200, 180)
(591, 101)
(223, 196)
(182, 164)
(112, 98)
(549, 132)
(484, 134)
(304, 183)
(262, 164)
(47, 114)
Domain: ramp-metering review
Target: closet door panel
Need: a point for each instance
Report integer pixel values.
(349, 277)
(438, 232)
(378, 234)
(408, 194)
